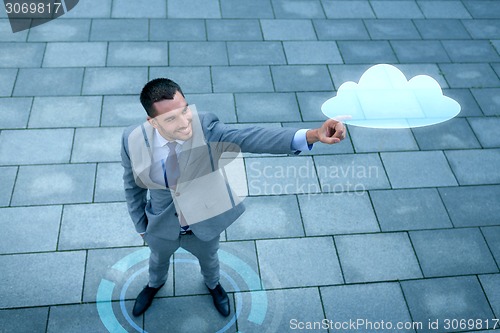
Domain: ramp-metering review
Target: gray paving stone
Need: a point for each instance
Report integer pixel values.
(52, 278)
(198, 53)
(7, 179)
(297, 9)
(310, 104)
(452, 134)
(6, 34)
(469, 106)
(246, 9)
(396, 9)
(377, 257)
(312, 52)
(287, 262)
(478, 166)
(74, 111)
(340, 29)
(391, 29)
(420, 51)
(418, 169)
(24, 320)
(339, 213)
(98, 144)
(302, 305)
(441, 29)
(116, 80)
(75, 54)
(194, 313)
(139, 9)
(104, 264)
(359, 52)
(30, 229)
(191, 79)
(496, 45)
(372, 302)
(485, 130)
(35, 146)
(472, 205)
(48, 82)
(267, 107)
(85, 317)
(491, 234)
(345, 173)
(496, 68)
(242, 79)
(208, 9)
(15, 55)
(348, 9)
(137, 54)
(305, 78)
(109, 183)
(233, 256)
(119, 30)
(288, 29)
(222, 105)
(281, 175)
(256, 53)
(61, 30)
(7, 80)
(399, 210)
(122, 111)
(461, 252)
(375, 140)
(177, 30)
(54, 184)
(443, 9)
(482, 29)
(239, 30)
(483, 9)
(490, 284)
(91, 9)
(265, 217)
(96, 225)
(488, 100)
(15, 112)
(470, 51)
(445, 298)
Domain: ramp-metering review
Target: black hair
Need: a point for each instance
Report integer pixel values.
(158, 90)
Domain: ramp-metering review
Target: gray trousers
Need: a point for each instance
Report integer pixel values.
(162, 250)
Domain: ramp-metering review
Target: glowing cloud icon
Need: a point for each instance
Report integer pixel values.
(384, 98)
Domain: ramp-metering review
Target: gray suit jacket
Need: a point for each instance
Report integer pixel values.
(202, 193)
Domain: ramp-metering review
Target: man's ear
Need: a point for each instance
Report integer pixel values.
(152, 121)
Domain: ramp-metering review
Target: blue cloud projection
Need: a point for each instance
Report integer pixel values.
(384, 98)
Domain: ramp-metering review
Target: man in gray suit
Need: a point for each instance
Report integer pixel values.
(176, 156)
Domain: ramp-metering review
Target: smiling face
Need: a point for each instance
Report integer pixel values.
(173, 118)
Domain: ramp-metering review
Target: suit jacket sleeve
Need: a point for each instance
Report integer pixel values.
(135, 195)
(250, 139)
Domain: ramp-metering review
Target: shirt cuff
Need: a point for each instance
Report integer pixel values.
(299, 142)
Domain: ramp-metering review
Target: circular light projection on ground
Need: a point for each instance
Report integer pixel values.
(128, 267)
(384, 98)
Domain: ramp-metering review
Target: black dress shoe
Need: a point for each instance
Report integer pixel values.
(144, 300)
(221, 301)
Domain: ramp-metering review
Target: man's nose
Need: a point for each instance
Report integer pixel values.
(184, 121)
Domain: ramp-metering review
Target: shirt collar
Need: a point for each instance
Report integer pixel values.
(160, 141)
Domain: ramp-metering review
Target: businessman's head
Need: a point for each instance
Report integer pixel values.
(167, 109)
